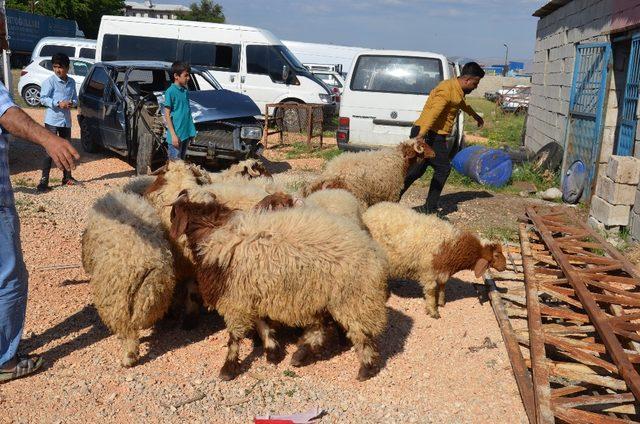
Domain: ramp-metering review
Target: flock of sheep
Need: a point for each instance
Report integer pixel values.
(260, 256)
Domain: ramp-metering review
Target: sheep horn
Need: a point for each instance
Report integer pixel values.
(418, 147)
(253, 172)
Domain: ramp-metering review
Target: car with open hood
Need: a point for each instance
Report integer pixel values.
(120, 107)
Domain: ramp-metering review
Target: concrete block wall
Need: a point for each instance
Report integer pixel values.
(557, 34)
(616, 194)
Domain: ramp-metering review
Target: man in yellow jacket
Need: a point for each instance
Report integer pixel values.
(435, 124)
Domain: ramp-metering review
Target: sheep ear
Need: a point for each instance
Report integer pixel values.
(178, 221)
(481, 267)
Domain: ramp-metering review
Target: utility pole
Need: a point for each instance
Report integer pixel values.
(506, 61)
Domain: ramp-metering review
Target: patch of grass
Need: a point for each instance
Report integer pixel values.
(289, 373)
(501, 234)
(542, 181)
(23, 182)
(499, 127)
(55, 180)
(23, 204)
(300, 150)
(295, 186)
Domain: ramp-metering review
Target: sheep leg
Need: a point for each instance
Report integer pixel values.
(430, 289)
(231, 367)
(441, 293)
(191, 305)
(130, 348)
(368, 356)
(309, 344)
(271, 346)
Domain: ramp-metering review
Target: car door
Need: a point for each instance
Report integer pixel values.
(261, 75)
(113, 125)
(91, 104)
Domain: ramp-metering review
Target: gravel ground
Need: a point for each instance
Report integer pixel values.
(430, 374)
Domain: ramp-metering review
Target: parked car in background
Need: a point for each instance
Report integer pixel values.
(514, 99)
(332, 79)
(34, 74)
(385, 93)
(72, 47)
(120, 108)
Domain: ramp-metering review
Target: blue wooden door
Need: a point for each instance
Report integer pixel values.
(584, 126)
(627, 129)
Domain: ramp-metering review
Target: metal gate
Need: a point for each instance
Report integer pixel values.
(627, 129)
(584, 127)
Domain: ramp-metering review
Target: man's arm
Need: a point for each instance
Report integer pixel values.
(465, 107)
(437, 102)
(46, 94)
(167, 117)
(18, 123)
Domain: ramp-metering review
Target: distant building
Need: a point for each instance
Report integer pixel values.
(149, 9)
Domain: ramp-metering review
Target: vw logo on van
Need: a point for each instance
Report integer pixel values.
(394, 114)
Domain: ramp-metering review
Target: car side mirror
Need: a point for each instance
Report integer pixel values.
(285, 73)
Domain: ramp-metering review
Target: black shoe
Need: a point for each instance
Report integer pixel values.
(43, 185)
(422, 209)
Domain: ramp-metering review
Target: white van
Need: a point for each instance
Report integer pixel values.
(72, 47)
(247, 60)
(385, 93)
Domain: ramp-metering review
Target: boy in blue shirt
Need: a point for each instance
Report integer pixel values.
(58, 94)
(177, 112)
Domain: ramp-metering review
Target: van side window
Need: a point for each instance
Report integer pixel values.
(258, 60)
(131, 47)
(265, 60)
(99, 80)
(88, 53)
(218, 56)
(51, 49)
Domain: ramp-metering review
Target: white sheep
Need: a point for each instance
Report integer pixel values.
(290, 266)
(373, 176)
(125, 250)
(427, 249)
(338, 202)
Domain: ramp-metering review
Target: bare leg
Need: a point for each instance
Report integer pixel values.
(271, 346)
(130, 349)
(310, 342)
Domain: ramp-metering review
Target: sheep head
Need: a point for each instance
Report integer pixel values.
(275, 201)
(255, 170)
(414, 150)
(196, 220)
(493, 257)
(177, 168)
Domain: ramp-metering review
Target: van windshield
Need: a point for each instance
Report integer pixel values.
(291, 58)
(396, 74)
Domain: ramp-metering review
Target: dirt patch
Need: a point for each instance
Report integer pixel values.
(429, 373)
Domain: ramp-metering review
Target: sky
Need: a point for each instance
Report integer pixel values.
(470, 28)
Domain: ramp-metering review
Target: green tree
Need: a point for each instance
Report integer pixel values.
(206, 11)
(87, 13)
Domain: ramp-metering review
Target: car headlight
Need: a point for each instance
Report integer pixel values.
(252, 133)
(326, 98)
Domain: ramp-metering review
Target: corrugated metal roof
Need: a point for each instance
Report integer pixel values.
(550, 7)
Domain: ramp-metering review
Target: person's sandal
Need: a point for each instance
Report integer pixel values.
(23, 368)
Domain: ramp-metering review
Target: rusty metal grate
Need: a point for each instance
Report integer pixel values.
(561, 353)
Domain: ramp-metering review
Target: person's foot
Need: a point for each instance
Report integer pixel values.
(43, 185)
(70, 181)
(20, 367)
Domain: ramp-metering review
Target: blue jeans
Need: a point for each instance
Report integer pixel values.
(13, 284)
(174, 153)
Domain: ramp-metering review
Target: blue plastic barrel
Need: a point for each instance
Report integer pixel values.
(486, 166)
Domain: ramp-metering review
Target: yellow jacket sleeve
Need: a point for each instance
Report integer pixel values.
(431, 111)
(468, 109)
